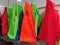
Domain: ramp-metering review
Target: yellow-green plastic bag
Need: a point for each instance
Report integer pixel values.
(38, 18)
(59, 42)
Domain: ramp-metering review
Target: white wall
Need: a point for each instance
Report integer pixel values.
(39, 3)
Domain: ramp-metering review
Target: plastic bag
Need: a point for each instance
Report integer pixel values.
(0, 24)
(49, 31)
(5, 22)
(59, 29)
(13, 21)
(28, 25)
(19, 26)
(38, 18)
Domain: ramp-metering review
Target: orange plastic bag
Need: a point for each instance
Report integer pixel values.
(28, 25)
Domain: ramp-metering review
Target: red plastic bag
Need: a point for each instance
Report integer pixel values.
(49, 31)
(59, 22)
(28, 26)
(5, 22)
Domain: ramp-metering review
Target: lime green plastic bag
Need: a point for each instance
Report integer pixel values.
(13, 18)
(38, 18)
(9, 16)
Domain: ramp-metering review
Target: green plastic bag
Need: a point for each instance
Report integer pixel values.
(38, 18)
(13, 18)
